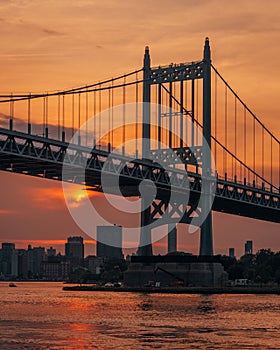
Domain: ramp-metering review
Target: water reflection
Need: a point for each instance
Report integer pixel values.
(42, 316)
(146, 303)
(206, 305)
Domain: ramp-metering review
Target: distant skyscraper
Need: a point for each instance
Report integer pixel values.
(249, 247)
(51, 251)
(113, 236)
(36, 255)
(22, 263)
(9, 260)
(74, 248)
(231, 252)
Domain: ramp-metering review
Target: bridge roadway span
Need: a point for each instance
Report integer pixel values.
(43, 157)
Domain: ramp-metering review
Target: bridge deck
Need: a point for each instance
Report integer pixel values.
(37, 156)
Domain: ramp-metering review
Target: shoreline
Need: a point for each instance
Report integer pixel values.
(180, 290)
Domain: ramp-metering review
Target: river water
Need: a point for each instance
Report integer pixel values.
(42, 316)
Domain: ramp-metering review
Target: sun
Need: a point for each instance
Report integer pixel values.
(75, 195)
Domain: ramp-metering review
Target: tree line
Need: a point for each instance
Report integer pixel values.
(262, 267)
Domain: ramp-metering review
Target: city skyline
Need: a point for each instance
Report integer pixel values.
(55, 56)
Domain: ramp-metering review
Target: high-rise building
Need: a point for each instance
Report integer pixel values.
(231, 253)
(36, 256)
(56, 268)
(74, 248)
(109, 242)
(22, 263)
(51, 251)
(249, 247)
(9, 260)
(94, 264)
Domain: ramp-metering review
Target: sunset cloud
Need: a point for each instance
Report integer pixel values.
(7, 212)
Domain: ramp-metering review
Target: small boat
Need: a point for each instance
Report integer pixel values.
(12, 284)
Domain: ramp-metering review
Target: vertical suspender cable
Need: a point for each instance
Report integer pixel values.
(58, 116)
(193, 112)
(94, 120)
(185, 121)
(235, 133)
(159, 116)
(123, 121)
(226, 121)
(11, 112)
(279, 166)
(100, 109)
(73, 114)
(215, 116)
(47, 116)
(263, 152)
(174, 118)
(181, 112)
(44, 115)
(154, 130)
(136, 117)
(271, 160)
(29, 115)
(254, 148)
(170, 116)
(109, 119)
(197, 111)
(245, 153)
(112, 114)
(166, 134)
(87, 112)
(63, 118)
(79, 119)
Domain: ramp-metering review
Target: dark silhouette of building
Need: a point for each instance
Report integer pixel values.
(51, 251)
(56, 268)
(109, 242)
(74, 247)
(9, 260)
(249, 247)
(94, 264)
(22, 264)
(35, 257)
(74, 250)
(231, 252)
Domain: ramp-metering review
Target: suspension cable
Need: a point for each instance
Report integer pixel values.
(81, 89)
(230, 153)
(244, 105)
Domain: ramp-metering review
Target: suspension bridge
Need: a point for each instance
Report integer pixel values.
(198, 114)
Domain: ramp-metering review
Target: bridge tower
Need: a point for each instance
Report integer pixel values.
(145, 248)
(206, 244)
(206, 240)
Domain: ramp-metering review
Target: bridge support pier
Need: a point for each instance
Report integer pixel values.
(172, 238)
(206, 240)
(145, 247)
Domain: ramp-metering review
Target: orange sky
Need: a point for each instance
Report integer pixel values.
(61, 44)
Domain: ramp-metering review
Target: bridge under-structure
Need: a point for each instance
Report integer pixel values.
(46, 156)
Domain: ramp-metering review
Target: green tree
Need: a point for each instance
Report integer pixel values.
(277, 276)
(235, 271)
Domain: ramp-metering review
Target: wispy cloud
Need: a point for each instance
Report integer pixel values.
(7, 211)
